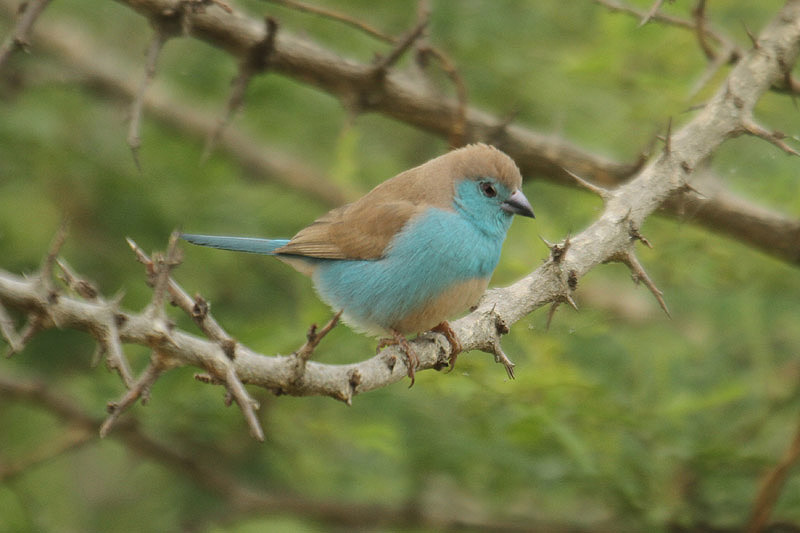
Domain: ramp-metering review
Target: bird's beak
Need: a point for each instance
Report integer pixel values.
(517, 204)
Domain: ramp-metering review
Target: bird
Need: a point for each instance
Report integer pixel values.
(415, 251)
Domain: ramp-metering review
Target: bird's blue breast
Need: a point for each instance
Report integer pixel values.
(432, 253)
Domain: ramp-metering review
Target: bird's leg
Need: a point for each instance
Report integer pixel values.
(400, 340)
(455, 346)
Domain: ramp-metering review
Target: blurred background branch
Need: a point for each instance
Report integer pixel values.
(613, 398)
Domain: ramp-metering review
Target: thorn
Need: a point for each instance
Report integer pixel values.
(568, 298)
(690, 188)
(639, 274)
(635, 235)
(46, 269)
(557, 251)
(753, 38)
(650, 14)
(313, 337)
(140, 389)
(600, 191)
(668, 139)
(776, 138)
(247, 405)
(547, 243)
(82, 287)
(140, 255)
(550, 313)
(501, 357)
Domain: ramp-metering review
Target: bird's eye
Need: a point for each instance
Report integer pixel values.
(488, 189)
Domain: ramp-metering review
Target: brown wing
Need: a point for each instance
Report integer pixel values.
(354, 231)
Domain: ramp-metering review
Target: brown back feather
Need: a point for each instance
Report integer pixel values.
(364, 228)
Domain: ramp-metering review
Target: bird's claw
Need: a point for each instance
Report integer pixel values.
(398, 339)
(455, 346)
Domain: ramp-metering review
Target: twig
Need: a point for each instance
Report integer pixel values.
(699, 14)
(384, 63)
(457, 135)
(160, 36)
(107, 337)
(247, 405)
(314, 337)
(197, 307)
(140, 389)
(639, 274)
(459, 129)
(49, 261)
(771, 486)
(775, 137)
(650, 14)
(670, 20)
(599, 191)
(255, 62)
(160, 268)
(75, 283)
(18, 39)
(335, 15)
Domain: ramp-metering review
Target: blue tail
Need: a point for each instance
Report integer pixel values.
(237, 244)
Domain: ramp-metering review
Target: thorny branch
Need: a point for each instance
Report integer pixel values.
(728, 114)
(611, 235)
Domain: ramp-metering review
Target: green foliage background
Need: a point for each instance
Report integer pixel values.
(616, 418)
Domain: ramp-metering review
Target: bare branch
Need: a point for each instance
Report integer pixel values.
(335, 15)
(256, 62)
(314, 337)
(29, 12)
(49, 261)
(140, 389)
(75, 283)
(639, 274)
(670, 20)
(245, 402)
(650, 14)
(401, 47)
(160, 36)
(700, 22)
(774, 137)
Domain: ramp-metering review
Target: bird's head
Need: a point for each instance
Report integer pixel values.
(487, 186)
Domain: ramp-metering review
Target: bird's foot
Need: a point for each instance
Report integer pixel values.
(455, 346)
(400, 340)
